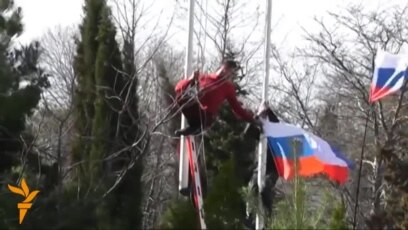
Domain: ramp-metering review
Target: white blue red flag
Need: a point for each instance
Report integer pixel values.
(389, 74)
(313, 155)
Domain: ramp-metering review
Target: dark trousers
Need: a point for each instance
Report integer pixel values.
(195, 116)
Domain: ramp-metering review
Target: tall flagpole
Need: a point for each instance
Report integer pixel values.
(262, 143)
(361, 166)
(183, 163)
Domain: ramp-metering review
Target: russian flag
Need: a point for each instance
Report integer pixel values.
(389, 74)
(313, 154)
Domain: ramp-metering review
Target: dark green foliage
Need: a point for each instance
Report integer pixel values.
(224, 206)
(229, 165)
(8, 209)
(21, 84)
(123, 206)
(397, 176)
(96, 64)
(180, 215)
(84, 99)
(85, 90)
(106, 121)
(107, 59)
(394, 154)
(338, 220)
(225, 140)
(9, 25)
(60, 210)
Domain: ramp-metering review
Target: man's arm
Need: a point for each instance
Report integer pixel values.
(184, 83)
(236, 105)
(194, 76)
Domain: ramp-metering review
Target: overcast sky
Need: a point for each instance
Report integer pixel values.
(288, 19)
(288, 16)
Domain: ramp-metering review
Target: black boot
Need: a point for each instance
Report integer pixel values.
(188, 131)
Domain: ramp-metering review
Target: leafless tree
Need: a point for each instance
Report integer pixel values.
(166, 68)
(293, 94)
(344, 53)
(54, 114)
(227, 28)
(143, 37)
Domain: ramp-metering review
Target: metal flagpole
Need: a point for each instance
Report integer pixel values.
(183, 164)
(262, 143)
(361, 165)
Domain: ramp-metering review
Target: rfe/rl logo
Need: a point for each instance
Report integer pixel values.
(25, 192)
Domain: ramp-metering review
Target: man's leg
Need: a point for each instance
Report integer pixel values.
(192, 115)
(189, 130)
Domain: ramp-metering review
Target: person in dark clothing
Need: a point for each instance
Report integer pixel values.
(271, 173)
(201, 96)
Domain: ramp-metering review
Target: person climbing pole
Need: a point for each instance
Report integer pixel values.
(201, 96)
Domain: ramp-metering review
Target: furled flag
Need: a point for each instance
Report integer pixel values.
(389, 73)
(312, 154)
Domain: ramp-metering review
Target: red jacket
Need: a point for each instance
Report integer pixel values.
(213, 93)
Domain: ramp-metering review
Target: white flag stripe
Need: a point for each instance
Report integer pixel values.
(388, 60)
(324, 152)
(281, 130)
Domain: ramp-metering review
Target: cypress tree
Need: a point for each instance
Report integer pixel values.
(106, 118)
(84, 67)
(97, 63)
(107, 63)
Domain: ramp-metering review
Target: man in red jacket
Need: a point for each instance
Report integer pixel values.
(201, 96)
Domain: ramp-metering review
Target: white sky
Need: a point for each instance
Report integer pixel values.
(287, 15)
(40, 15)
